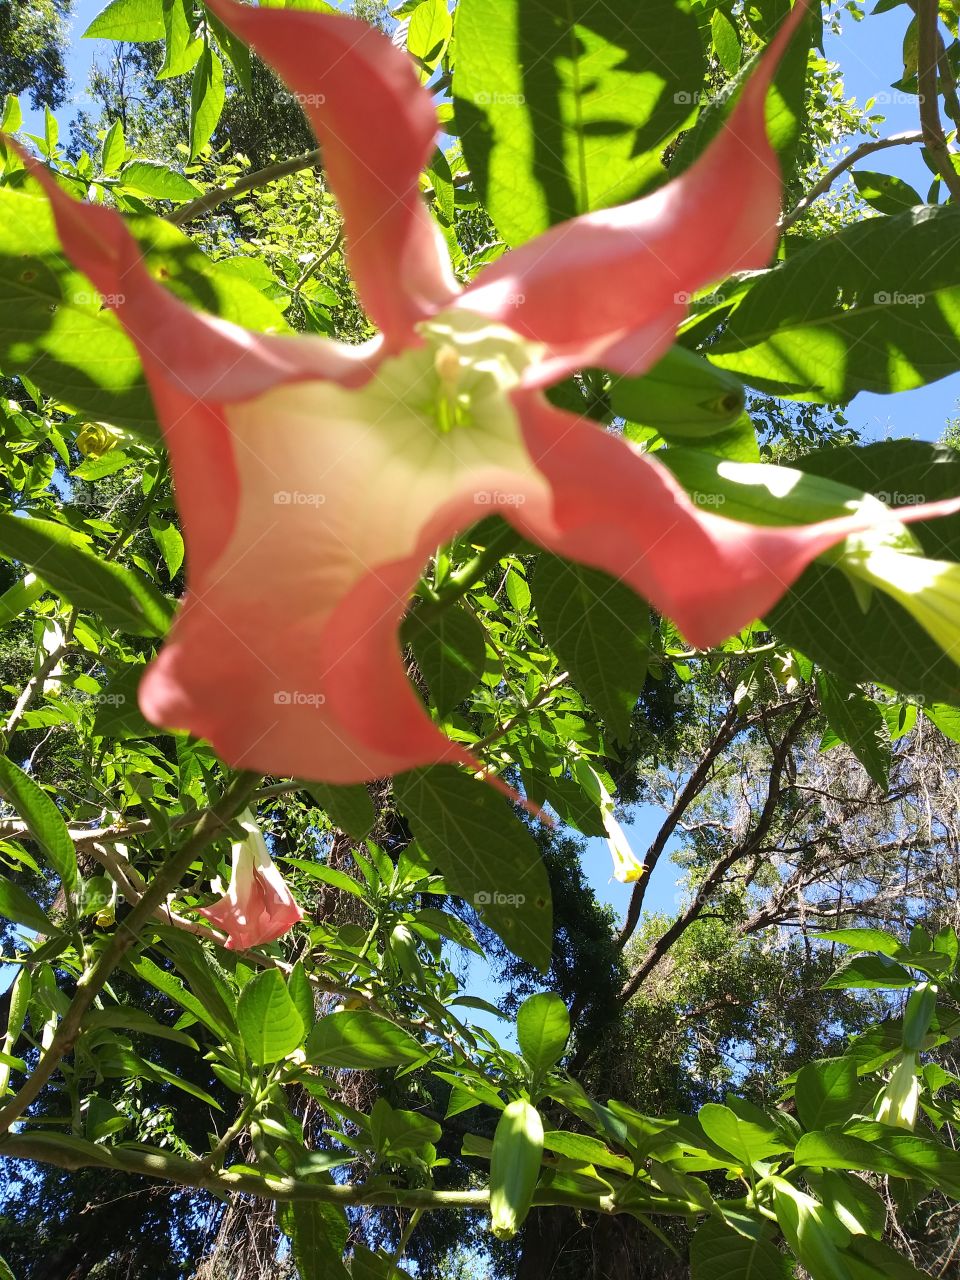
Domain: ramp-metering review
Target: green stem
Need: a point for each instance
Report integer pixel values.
(50, 1148)
(93, 980)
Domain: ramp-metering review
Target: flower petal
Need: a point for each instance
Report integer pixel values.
(378, 127)
(258, 907)
(285, 654)
(604, 288)
(621, 511)
(196, 354)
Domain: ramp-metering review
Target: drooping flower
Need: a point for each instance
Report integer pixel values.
(627, 867)
(257, 907)
(315, 479)
(900, 1100)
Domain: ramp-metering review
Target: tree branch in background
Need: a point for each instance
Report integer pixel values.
(727, 730)
(744, 848)
(261, 178)
(927, 65)
(824, 183)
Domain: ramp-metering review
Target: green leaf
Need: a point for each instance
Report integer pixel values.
(54, 328)
(44, 821)
(349, 808)
(718, 1253)
(869, 972)
(880, 642)
(124, 598)
(181, 50)
(170, 542)
(118, 712)
(684, 397)
(318, 1238)
(12, 118)
(874, 307)
(885, 193)
(360, 1041)
(725, 41)
(946, 718)
(829, 1092)
(543, 1028)
(158, 181)
(857, 721)
(18, 906)
(450, 651)
(128, 1018)
(329, 875)
(746, 1139)
(599, 629)
(429, 34)
(863, 940)
(514, 1167)
(18, 598)
(269, 1023)
(564, 109)
(484, 853)
(207, 97)
(133, 20)
(114, 149)
(856, 1204)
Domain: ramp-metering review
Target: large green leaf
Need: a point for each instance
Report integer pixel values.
(349, 808)
(54, 327)
(543, 1028)
(361, 1041)
(158, 181)
(875, 307)
(747, 1138)
(124, 598)
(18, 906)
(132, 20)
(829, 1092)
(875, 640)
(268, 1019)
(484, 853)
(567, 107)
(857, 721)
(600, 630)
(318, 1237)
(450, 651)
(718, 1253)
(43, 819)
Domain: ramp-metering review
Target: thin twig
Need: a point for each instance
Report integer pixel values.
(261, 178)
(825, 182)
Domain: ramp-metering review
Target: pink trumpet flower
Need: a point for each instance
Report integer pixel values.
(315, 479)
(257, 907)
